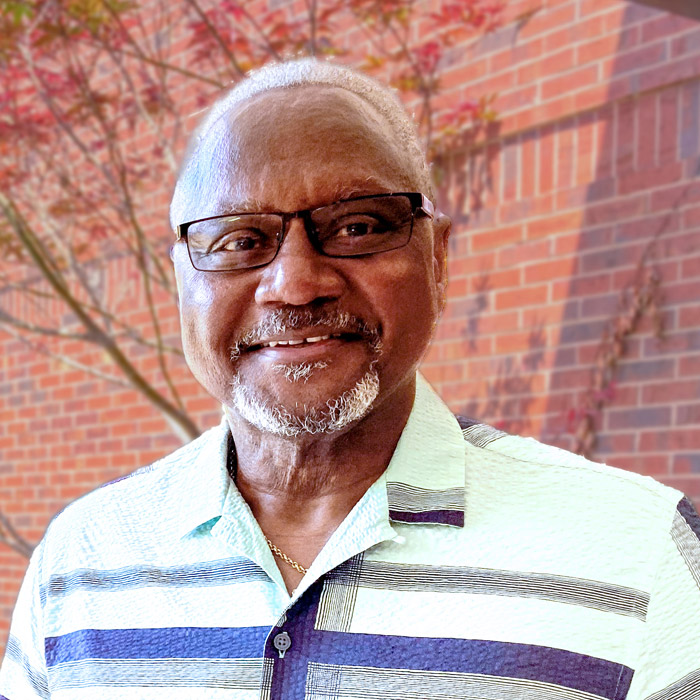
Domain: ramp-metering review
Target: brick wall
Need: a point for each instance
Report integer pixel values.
(592, 165)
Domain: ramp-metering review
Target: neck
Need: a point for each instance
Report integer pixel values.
(299, 474)
(300, 489)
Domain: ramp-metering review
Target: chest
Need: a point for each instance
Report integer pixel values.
(371, 629)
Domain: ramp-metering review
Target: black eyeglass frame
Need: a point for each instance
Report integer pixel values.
(419, 203)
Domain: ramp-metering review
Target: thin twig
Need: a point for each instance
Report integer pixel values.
(217, 37)
(65, 359)
(10, 537)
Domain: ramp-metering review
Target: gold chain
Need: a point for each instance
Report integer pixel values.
(278, 552)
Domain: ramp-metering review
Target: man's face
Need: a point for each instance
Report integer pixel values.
(284, 151)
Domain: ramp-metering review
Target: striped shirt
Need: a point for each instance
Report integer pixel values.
(480, 565)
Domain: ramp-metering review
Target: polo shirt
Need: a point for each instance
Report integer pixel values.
(479, 566)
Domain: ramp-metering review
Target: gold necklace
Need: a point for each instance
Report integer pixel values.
(278, 552)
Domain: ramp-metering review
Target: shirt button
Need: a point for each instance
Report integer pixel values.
(282, 642)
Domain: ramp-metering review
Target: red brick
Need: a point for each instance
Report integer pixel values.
(496, 238)
(669, 72)
(565, 155)
(528, 168)
(570, 82)
(569, 221)
(689, 316)
(665, 26)
(547, 19)
(639, 59)
(675, 196)
(647, 131)
(528, 251)
(546, 271)
(586, 141)
(615, 211)
(521, 297)
(625, 136)
(671, 392)
(689, 42)
(596, 47)
(650, 178)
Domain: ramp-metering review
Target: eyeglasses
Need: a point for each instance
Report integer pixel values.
(345, 229)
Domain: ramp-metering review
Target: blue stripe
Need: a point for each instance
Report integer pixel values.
(440, 517)
(158, 643)
(690, 515)
(211, 573)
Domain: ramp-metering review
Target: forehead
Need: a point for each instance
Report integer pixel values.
(294, 148)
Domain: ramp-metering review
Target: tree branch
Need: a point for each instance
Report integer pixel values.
(217, 37)
(180, 422)
(10, 537)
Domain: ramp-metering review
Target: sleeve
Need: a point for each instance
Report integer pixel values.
(23, 675)
(669, 661)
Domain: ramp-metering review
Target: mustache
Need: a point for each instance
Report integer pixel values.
(282, 320)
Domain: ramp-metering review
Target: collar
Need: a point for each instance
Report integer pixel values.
(201, 485)
(426, 475)
(424, 480)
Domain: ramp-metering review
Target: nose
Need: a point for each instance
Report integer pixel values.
(299, 275)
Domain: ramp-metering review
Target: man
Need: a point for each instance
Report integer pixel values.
(341, 535)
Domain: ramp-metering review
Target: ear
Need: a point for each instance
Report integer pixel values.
(442, 227)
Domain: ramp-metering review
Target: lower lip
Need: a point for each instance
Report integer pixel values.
(304, 351)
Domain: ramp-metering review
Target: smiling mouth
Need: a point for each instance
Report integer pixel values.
(301, 341)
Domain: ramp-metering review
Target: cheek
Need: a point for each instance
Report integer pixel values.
(207, 315)
(408, 302)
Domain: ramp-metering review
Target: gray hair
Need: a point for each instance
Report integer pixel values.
(304, 72)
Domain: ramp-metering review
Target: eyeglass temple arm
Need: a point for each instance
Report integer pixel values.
(427, 207)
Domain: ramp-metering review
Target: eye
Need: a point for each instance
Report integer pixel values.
(357, 226)
(239, 242)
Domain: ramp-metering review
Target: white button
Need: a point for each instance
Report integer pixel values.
(282, 642)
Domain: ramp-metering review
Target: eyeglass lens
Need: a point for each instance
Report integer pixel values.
(343, 229)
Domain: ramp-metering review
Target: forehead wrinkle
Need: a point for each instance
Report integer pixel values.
(369, 186)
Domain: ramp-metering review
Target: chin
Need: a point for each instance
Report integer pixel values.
(288, 419)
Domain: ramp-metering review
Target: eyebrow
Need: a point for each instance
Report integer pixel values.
(369, 186)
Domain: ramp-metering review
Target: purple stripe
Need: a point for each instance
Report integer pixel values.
(440, 517)
(157, 643)
(523, 661)
(687, 510)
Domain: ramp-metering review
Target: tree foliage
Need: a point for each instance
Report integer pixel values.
(95, 96)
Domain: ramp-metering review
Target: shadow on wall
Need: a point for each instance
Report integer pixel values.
(597, 373)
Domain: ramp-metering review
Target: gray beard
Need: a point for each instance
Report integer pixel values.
(335, 415)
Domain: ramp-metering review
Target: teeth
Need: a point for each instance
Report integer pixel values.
(315, 339)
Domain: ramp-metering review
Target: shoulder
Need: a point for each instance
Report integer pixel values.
(134, 507)
(547, 473)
